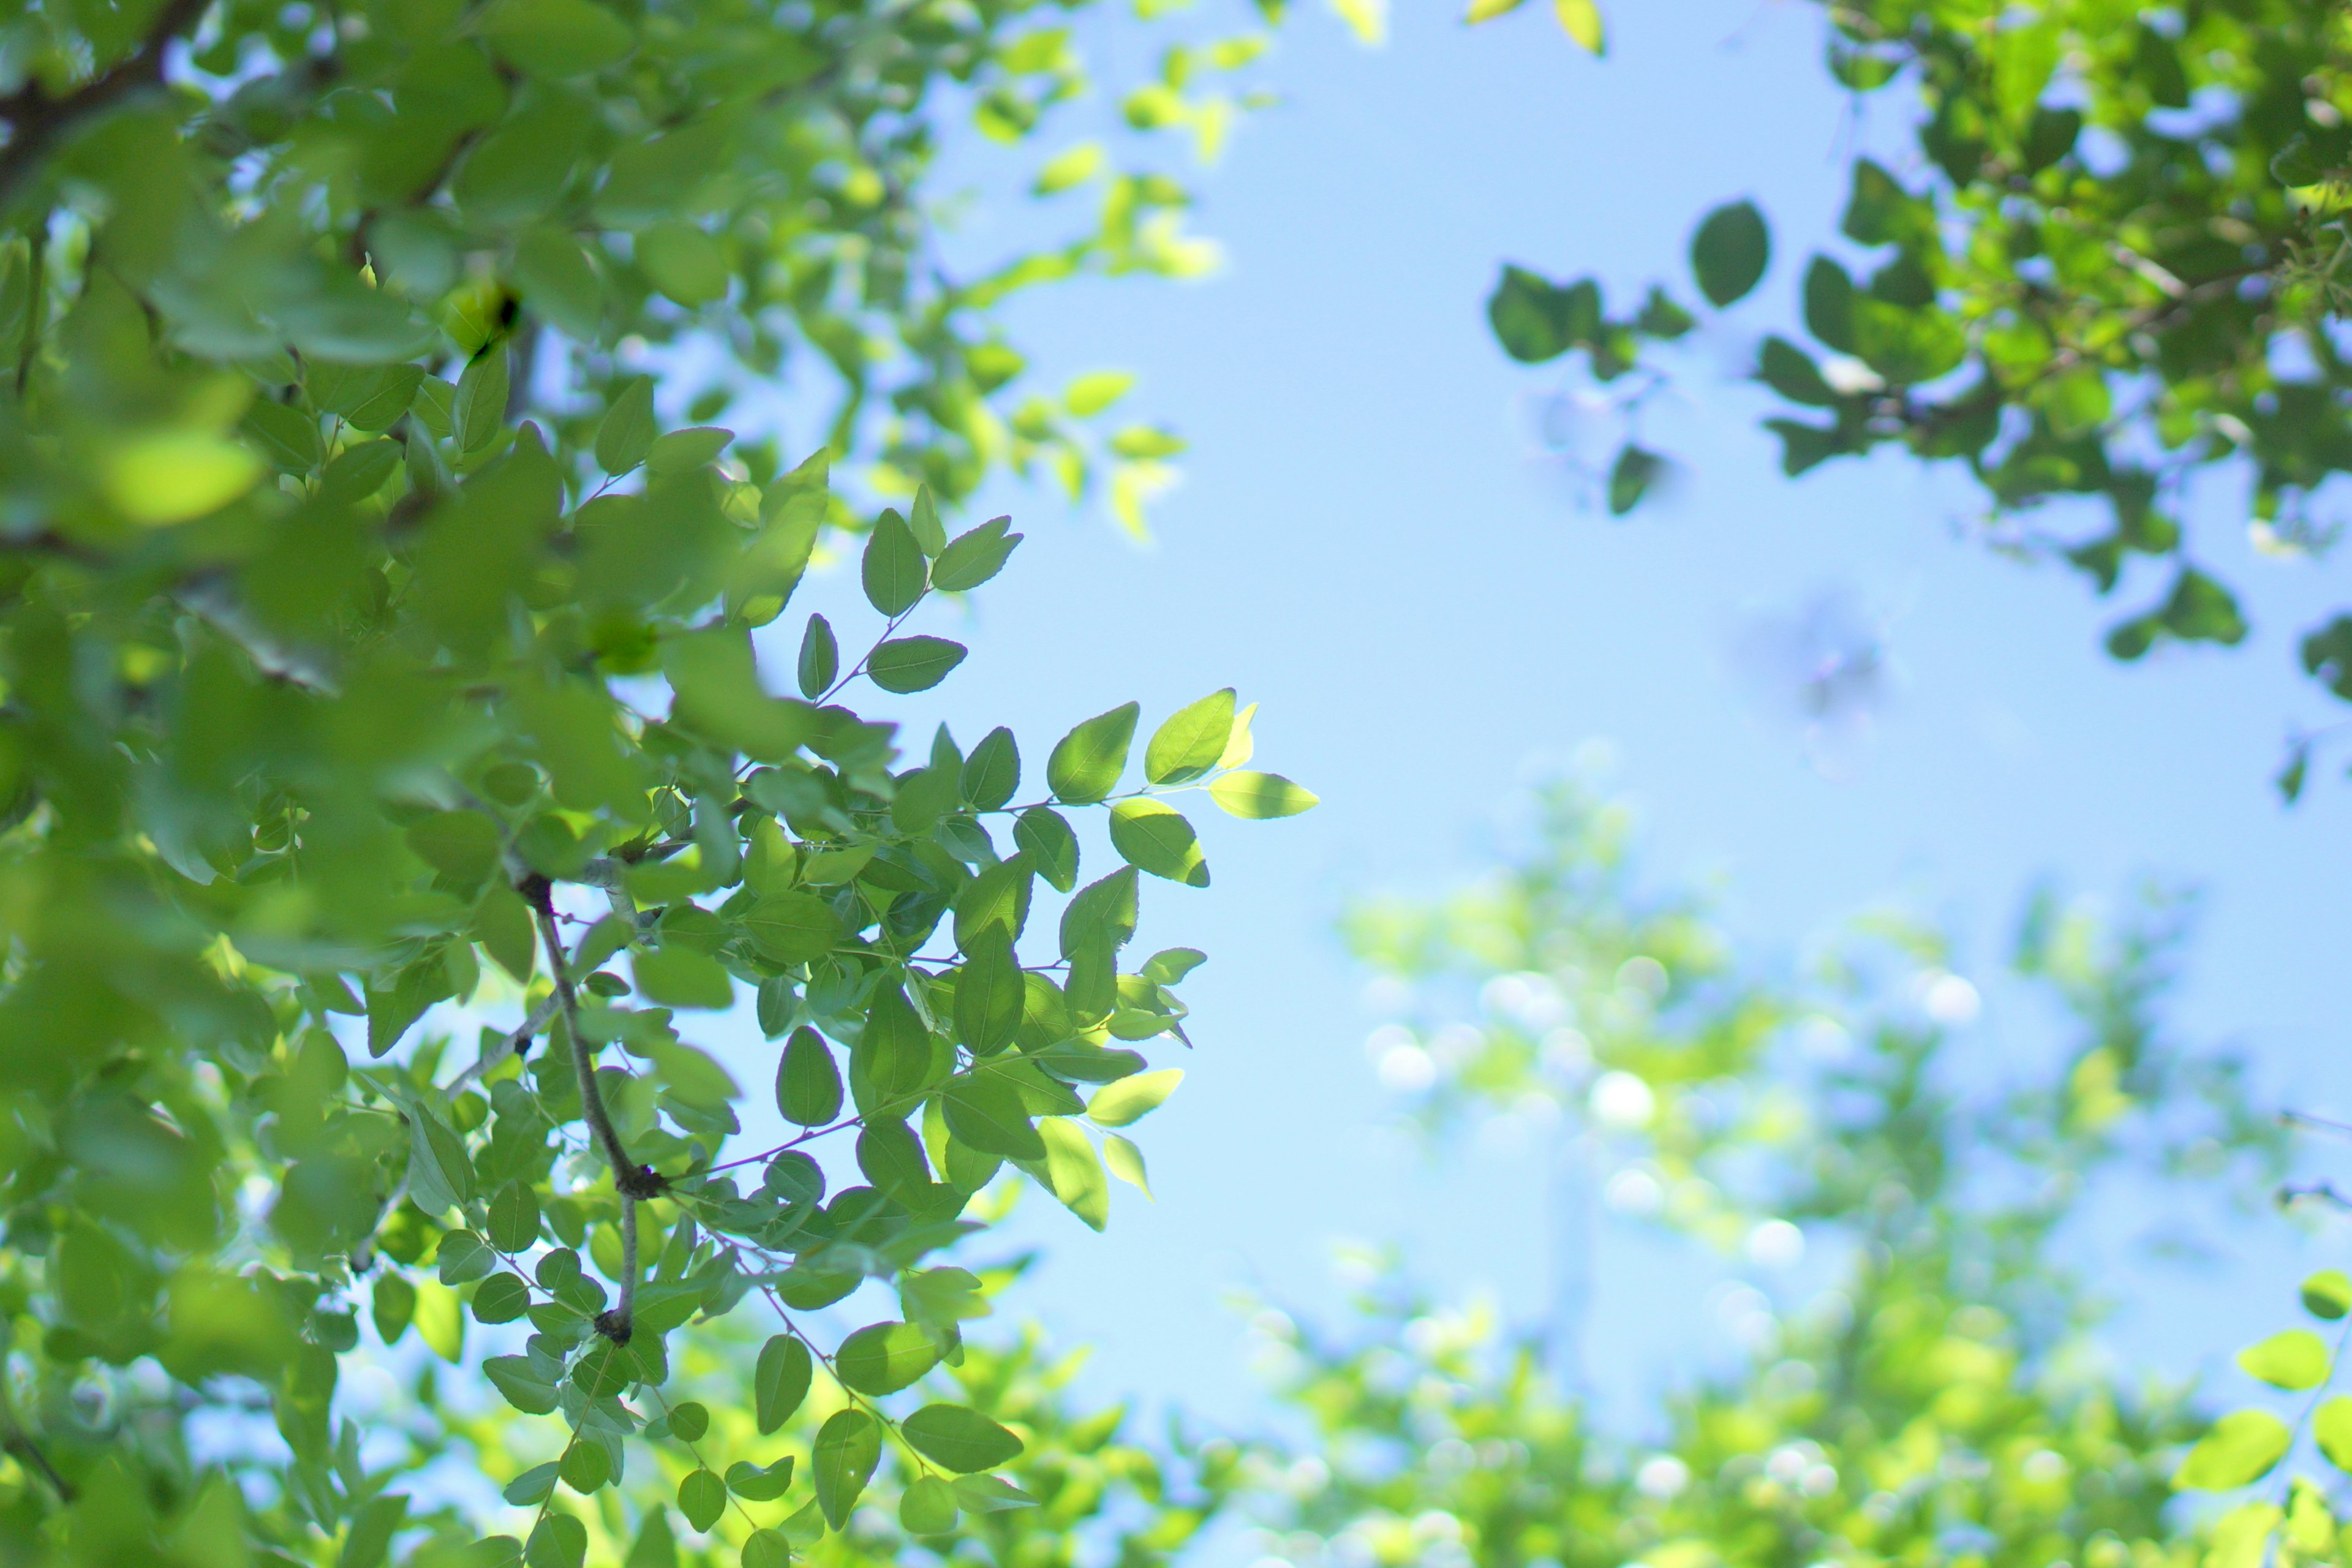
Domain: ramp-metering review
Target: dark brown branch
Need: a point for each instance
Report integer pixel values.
(35, 120)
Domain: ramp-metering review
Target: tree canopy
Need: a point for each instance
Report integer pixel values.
(2108, 267)
(373, 635)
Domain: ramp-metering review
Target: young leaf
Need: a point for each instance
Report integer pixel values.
(1125, 1160)
(892, 570)
(1074, 1172)
(2241, 1447)
(956, 1438)
(848, 1445)
(1131, 1099)
(1085, 763)
(2331, 1428)
(2296, 1359)
(1258, 795)
(1580, 20)
(1189, 744)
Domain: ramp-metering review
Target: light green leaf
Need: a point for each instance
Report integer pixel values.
(1131, 1099)
(927, 1507)
(1154, 836)
(1257, 796)
(883, 1358)
(2240, 1448)
(2331, 1428)
(1085, 763)
(2295, 1359)
(702, 1498)
(1074, 1172)
(1125, 1160)
(1189, 744)
(1580, 20)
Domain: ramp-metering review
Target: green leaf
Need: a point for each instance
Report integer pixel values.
(1085, 763)
(519, 1385)
(1131, 1099)
(1125, 1160)
(702, 1498)
(1729, 252)
(990, 1494)
(554, 37)
(532, 1486)
(685, 263)
(1089, 394)
(973, 558)
(820, 659)
(1791, 371)
(848, 1445)
(1074, 1172)
(1535, 319)
(808, 1082)
(2241, 1447)
(500, 1299)
(689, 1419)
(913, 663)
(1258, 795)
(1153, 837)
(586, 1467)
(997, 899)
(1044, 835)
(993, 772)
(557, 1541)
(1631, 476)
(627, 432)
(513, 1218)
(959, 1439)
(927, 1507)
(2328, 1294)
(990, 992)
(767, 1548)
(683, 451)
(1829, 304)
(883, 1358)
(893, 1053)
(481, 410)
(753, 1483)
(679, 976)
(2331, 1428)
(892, 570)
(2295, 1359)
(791, 927)
(780, 1380)
(892, 1159)
(984, 1111)
(1189, 744)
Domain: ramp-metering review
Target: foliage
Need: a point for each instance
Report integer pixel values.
(368, 642)
(1940, 1403)
(2113, 271)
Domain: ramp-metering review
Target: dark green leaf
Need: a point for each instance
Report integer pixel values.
(1729, 252)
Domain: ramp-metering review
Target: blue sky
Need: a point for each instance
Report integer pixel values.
(1367, 544)
(1370, 543)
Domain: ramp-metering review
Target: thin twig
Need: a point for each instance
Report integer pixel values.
(632, 1180)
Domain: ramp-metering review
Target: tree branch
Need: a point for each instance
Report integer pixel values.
(633, 1181)
(35, 120)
